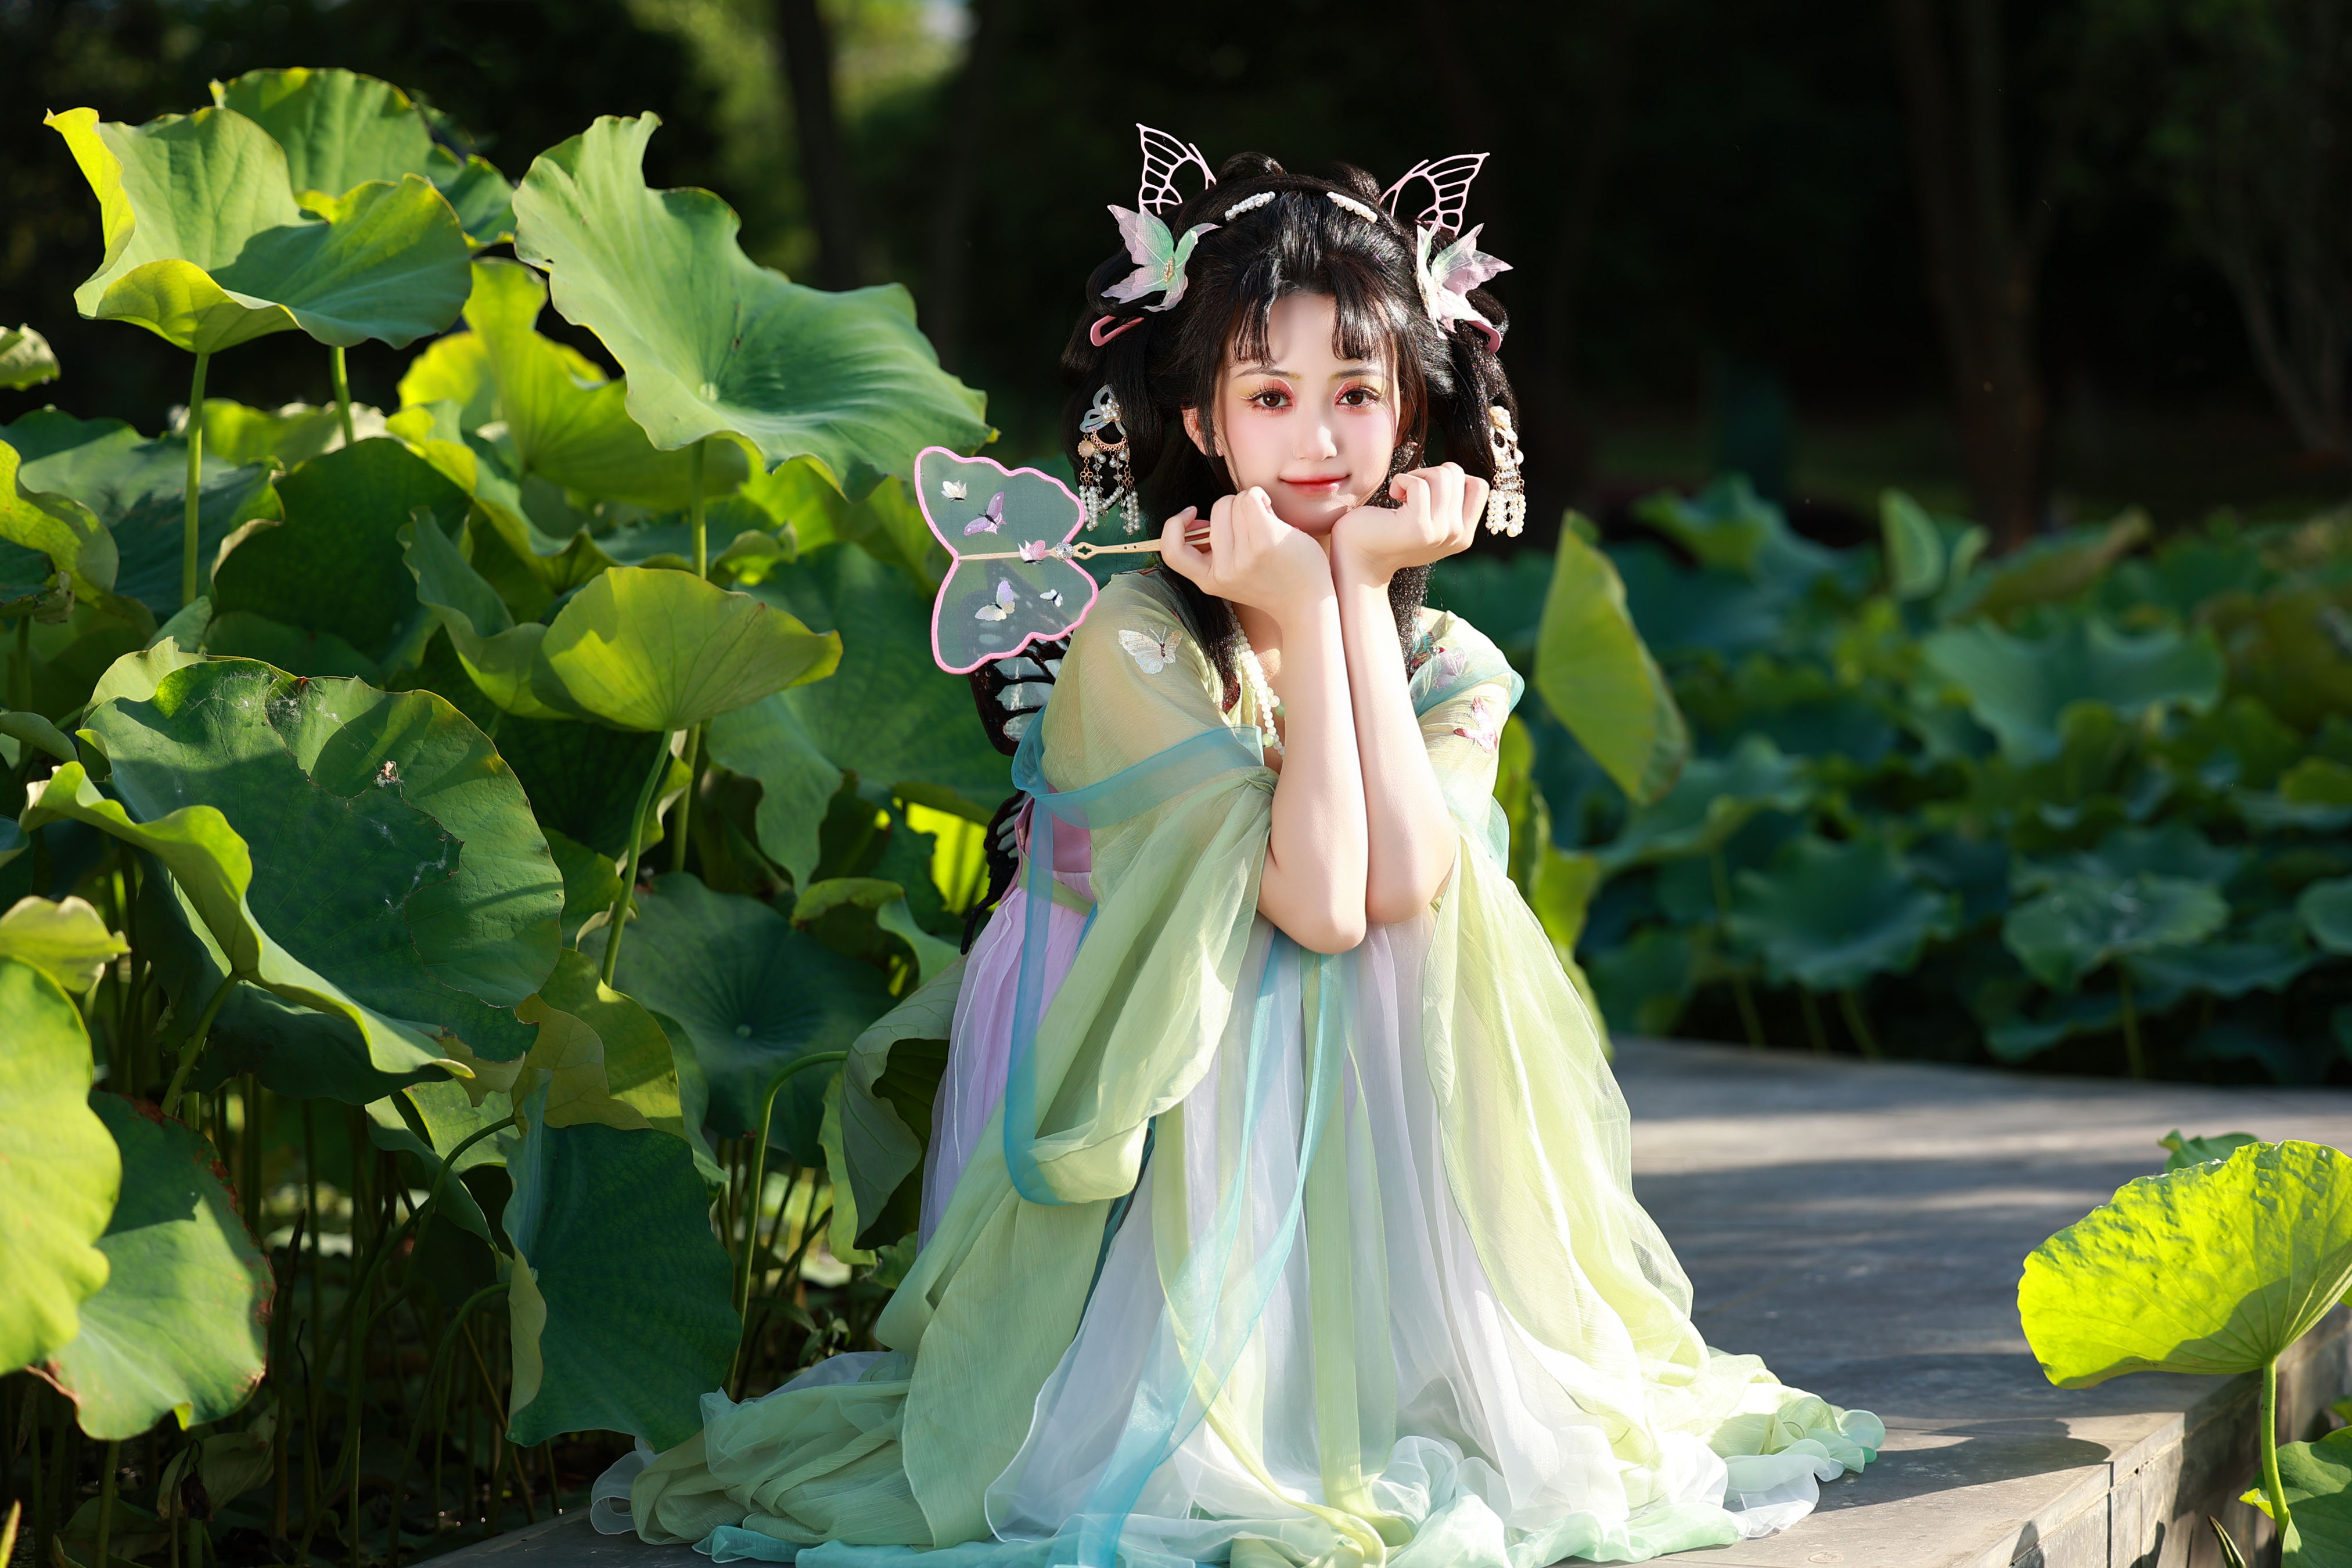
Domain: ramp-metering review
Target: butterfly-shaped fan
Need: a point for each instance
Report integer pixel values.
(1013, 583)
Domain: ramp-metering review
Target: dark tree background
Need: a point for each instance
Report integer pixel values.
(1715, 210)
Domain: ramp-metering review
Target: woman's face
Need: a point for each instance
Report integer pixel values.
(1315, 431)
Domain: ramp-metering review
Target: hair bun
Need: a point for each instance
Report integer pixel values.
(1357, 183)
(1247, 166)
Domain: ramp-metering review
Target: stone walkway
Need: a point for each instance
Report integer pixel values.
(1861, 1226)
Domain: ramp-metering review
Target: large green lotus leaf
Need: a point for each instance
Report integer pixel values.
(1727, 525)
(211, 869)
(797, 501)
(2284, 646)
(243, 634)
(338, 129)
(1598, 677)
(2215, 1268)
(1829, 916)
(2044, 571)
(887, 714)
(25, 359)
(58, 1169)
(2017, 686)
(751, 993)
(181, 1326)
(621, 1309)
(2080, 920)
(713, 343)
(768, 742)
(356, 805)
(2016, 1033)
(2227, 968)
(1714, 799)
(335, 565)
(651, 649)
(2176, 849)
(872, 1147)
(582, 779)
(138, 488)
(56, 526)
(206, 248)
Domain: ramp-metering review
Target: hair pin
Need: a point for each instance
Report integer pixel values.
(1097, 336)
(1353, 205)
(1248, 204)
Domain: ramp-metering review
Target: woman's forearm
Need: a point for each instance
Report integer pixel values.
(1313, 886)
(1410, 838)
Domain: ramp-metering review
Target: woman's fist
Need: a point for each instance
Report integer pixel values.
(1437, 516)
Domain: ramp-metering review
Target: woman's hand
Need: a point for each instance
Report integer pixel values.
(1438, 517)
(1249, 556)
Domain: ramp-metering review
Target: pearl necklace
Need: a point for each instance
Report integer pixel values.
(1261, 694)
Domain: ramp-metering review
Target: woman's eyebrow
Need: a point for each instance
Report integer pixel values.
(1265, 370)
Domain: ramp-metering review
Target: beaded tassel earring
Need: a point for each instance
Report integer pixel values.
(1506, 502)
(1105, 480)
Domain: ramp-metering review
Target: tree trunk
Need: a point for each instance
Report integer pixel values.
(949, 282)
(824, 162)
(1983, 255)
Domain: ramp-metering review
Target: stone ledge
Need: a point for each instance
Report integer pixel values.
(1861, 1226)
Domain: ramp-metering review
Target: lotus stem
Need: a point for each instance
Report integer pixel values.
(1858, 1020)
(686, 800)
(195, 478)
(2270, 1482)
(759, 1174)
(342, 391)
(2132, 1052)
(694, 507)
(619, 921)
(20, 665)
(1814, 1030)
(105, 1501)
(1750, 1019)
(433, 1381)
(194, 1046)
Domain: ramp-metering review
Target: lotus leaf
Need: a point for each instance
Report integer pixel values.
(1713, 800)
(2019, 687)
(582, 779)
(500, 657)
(1601, 681)
(335, 567)
(56, 526)
(799, 500)
(1914, 549)
(2176, 849)
(2045, 570)
(180, 1329)
(206, 248)
(661, 650)
(137, 488)
(340, 128)
(2285, 648)
(2082, 918)
(2326, 911)
(615, 1252)
(872, 1145)
(290, 435)
(1727, 525)
(25, 359)
(67, 942)
(2183, 1152)
(1682, 612)
(59, 1170)
(357, 802)
(2316, 1480)
(750, 993)
(2225, 968)
(2014, 1034)
(2171, 1275)
(635, 1081)
(1829, 916)
(713, 343)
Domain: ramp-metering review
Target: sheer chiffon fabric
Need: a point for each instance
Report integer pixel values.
(1234, 1252)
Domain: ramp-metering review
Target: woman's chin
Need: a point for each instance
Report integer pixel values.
(1311, 515)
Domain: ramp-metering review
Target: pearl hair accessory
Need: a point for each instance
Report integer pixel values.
(1248, 204)
(1351, 205)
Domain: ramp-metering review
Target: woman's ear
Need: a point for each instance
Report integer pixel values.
(1201, 438)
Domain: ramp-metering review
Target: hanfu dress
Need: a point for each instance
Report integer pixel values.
(1234, 1252)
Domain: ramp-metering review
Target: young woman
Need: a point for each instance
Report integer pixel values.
(1278, 1210)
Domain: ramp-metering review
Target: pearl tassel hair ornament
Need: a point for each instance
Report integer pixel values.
(1506, 502)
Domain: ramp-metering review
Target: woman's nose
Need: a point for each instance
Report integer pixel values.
(1318, 443)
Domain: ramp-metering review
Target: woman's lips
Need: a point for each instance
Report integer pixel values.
(1323, 487)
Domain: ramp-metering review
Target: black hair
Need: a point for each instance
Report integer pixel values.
(1302, 241)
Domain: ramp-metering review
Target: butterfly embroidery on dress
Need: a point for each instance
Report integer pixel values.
(1002, 606)
(1152, 653)
(1485, 734)
(990, 520)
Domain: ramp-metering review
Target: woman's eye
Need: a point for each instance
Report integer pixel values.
(1359, 397)
(1272, 397)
